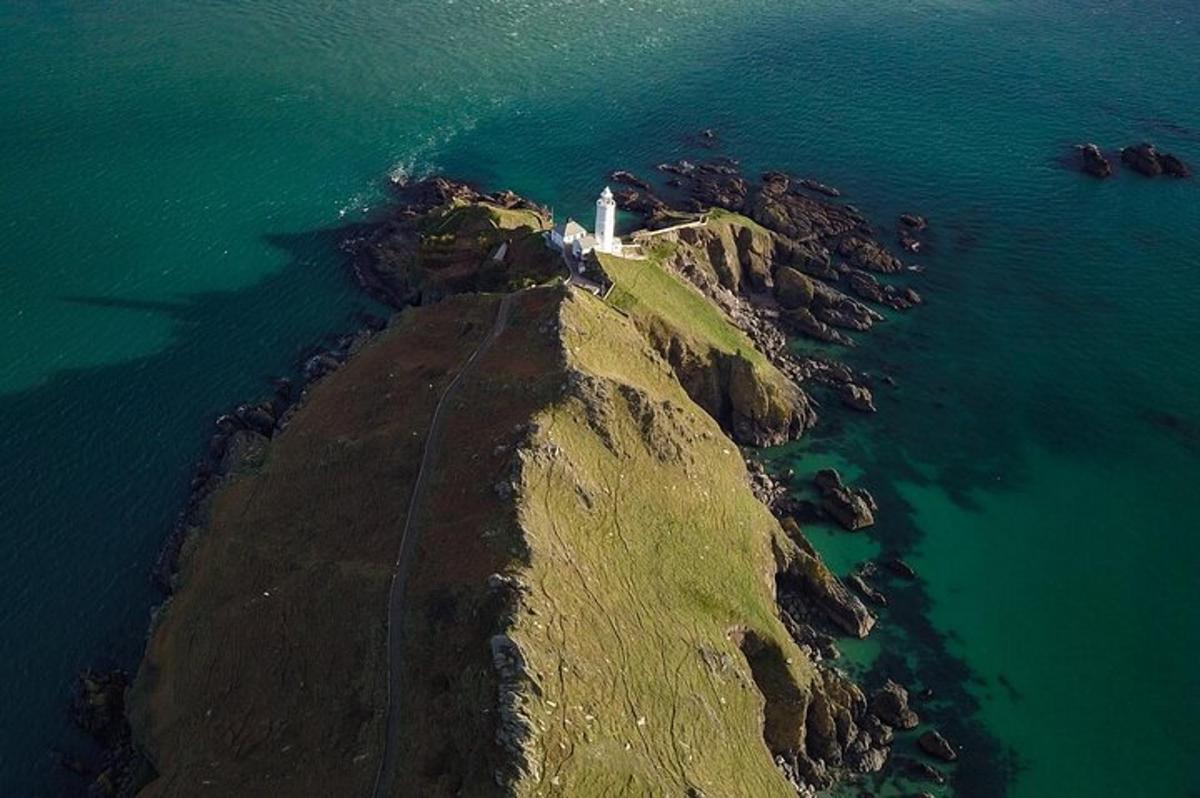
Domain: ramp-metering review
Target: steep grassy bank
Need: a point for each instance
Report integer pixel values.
(265, 673)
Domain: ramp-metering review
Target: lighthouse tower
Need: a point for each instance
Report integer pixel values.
(606, 223)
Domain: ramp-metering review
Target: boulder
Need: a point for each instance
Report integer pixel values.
(1142, 158)
(853, 508)
(793, 289)
(1173, 166)
(857, 398)
(1093, 161)
(934, 744)
(866, 254)
(913, 221)
(890, 704)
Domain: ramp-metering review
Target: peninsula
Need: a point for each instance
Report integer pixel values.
(510, 544)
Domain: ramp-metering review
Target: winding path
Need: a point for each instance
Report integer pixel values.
(387, 763)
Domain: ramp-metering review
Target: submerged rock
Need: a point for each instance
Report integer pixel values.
(629, 179)
(820, 188)
(934, 744)
(901, 568)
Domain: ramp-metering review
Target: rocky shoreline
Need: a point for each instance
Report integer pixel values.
(814, 275)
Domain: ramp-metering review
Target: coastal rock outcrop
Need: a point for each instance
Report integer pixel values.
(890, 704)
(1145, 159)
(793, 289)
(1094, 162)
(933, 743)
(853, 508)
(803, 574)
(858, 397)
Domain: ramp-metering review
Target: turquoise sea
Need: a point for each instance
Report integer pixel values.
(166, 167)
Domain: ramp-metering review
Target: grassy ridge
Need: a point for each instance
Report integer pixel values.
(650, 561)
(647, 290)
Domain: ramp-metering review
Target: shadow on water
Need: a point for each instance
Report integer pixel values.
(98, 462)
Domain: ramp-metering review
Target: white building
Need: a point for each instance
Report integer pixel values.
(571, 237)
(565, 234)
(606, 223)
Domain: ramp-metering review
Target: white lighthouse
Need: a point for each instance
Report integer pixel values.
(606, 223)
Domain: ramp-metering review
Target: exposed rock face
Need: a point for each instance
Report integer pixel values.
(793, 289)
(853, 508)
(866, 254)
(1094, 161)
(755, 411)
(802, 571)
(872, 595)
(867, 286)
(890, 704)
(934, 744)
(514, 727)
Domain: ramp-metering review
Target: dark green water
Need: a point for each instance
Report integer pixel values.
(162, 166)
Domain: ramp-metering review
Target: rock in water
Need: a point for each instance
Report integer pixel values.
(857, 397)
(934, 744)
(890, 704)
(914, 221)
(1094, 162)
(853, 508)
(629, 179)
(820, 188)
(1173, 166)
(901, 568)
(1142, 158)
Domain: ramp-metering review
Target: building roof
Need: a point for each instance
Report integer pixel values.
(588, 242)
(570, 228)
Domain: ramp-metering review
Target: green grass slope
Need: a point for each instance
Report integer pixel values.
(650, 569)
(717, 364)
